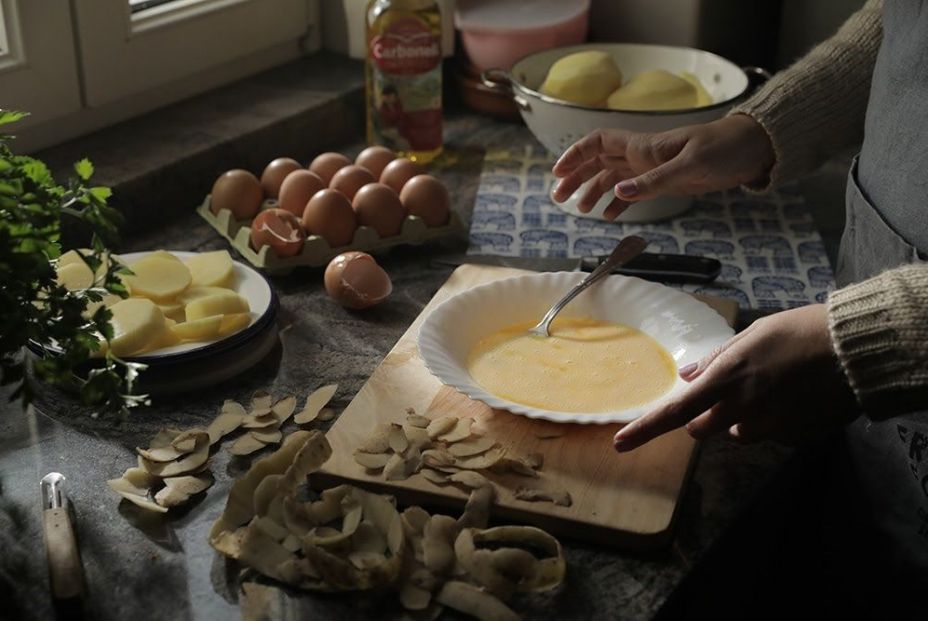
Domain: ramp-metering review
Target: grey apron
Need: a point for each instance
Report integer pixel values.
(887, 217)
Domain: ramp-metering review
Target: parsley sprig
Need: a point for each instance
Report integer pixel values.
(34, 307)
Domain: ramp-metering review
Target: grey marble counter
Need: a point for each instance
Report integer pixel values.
(140, 566)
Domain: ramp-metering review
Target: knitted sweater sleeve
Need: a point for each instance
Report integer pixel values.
(879, 328)
(816, 107)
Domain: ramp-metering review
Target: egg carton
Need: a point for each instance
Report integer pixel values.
(316, 250)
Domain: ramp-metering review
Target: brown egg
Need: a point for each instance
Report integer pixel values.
(327, 164)
(350, 179)
(375, 159)
(329, 215)
(399, 171)
(297, 189)
(354, 280)
(280, 230)
(380, 208)
(239, 191)
(275, 173)
(427, 197)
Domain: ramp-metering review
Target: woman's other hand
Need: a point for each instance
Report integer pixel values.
(688, 160)
(779, 379)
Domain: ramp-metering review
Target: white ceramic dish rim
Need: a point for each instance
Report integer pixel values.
(249, 283)
(517, 85)
(454, 374)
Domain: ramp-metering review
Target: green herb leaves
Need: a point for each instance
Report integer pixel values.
(37, 309)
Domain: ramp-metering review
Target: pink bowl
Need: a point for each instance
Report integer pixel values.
(493, 38)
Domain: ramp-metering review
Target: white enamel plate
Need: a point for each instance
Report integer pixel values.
(248, 283)
(687, 328)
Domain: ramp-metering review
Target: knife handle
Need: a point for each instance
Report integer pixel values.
(679, 268)
(64, 563)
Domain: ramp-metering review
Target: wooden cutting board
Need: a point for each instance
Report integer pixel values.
(626, 500)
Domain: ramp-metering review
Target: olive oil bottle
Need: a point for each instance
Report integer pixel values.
(403, 77)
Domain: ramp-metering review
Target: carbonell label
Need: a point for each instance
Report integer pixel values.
(406, 82)
(406, 48)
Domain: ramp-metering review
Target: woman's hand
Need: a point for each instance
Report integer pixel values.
(779, 379)
(689, 160)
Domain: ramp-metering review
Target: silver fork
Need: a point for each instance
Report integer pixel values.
(627, 249)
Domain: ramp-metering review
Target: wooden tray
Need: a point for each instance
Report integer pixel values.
(626, 501)
(316, 251)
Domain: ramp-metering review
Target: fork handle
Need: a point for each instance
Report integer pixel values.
(626, 250)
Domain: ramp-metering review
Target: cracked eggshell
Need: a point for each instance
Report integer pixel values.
(279, 229)
(354, 280)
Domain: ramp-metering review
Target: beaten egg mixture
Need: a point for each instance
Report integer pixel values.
(586, 365)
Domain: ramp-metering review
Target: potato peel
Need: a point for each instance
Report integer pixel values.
(473, 601)
(558, 497)
(231, 417)
(246, 445)
(441, 425)
(314, 404)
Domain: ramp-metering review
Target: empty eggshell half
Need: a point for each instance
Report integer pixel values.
(354, 280)
(279, 229)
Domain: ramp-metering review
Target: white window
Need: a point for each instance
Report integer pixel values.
(38, 69)
(81, 64)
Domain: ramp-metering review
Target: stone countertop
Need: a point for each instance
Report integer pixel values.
(143, 566)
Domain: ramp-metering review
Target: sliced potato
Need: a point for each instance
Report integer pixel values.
(173, 310)
(211, 269)
(75, 276)
(233, 323)
(136, 322)
(194, 292)
(158, 278)
(226, 303)
(204, 329)
(166, 338)
(164, 254)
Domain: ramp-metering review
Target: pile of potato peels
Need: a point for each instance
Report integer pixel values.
(349, 539)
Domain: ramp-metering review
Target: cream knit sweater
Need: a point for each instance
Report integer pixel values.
(811, 111)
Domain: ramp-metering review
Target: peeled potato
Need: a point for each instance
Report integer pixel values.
(158, 278)
(173, 310)
(165, 338)
(211, 269)
(164, 254)
(226, 303)
(703, 98)
(585, 78)
(204, 329)
(654, 90)
(136, 324)
(75, 276)
(233, 323)
(192, 293)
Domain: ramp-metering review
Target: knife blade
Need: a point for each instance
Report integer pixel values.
(660, 267)
(65, 572)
